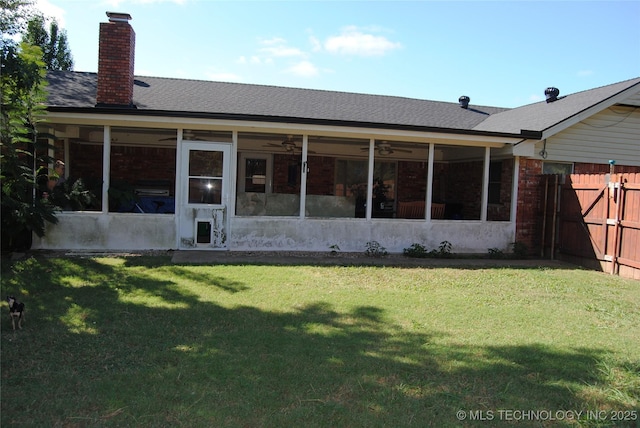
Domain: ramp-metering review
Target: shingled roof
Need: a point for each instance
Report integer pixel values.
(182, 97)
(76, 91)
(542, 116)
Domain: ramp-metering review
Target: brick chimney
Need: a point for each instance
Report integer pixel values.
(115, 62)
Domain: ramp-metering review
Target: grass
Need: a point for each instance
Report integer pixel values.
(139, 341)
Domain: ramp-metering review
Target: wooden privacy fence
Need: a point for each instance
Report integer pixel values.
(593, 220)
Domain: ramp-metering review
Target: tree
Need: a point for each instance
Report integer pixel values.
(23, 97)
(55, 49)
(14, 15)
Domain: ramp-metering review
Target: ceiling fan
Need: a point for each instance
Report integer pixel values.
(289, 144)
(384, 148)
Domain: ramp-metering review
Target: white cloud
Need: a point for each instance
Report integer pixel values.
(272, 41)
(352, 41)
(304, 69)
(282, 51)
(51, 11)
(253, 60)
(278, 47)
(535, 98)
(316, 45)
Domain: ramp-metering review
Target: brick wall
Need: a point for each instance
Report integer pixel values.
(412, 181)
(321, 177)
(286, 174)
(128, 164)
(502, 211)
(459, 183)
(528, 222)
(85, 161)
(137, 165)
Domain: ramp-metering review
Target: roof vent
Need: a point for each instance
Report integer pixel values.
(464, 101)
(551, 94)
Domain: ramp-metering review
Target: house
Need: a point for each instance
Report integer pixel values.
(185, 164)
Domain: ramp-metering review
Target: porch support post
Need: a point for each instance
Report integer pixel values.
(485, 184)
(68, 166)
(514, 193)
(303, 175)
(233, 176)
(106, 167)
(429, 196)
(178, 189)
(372, 152)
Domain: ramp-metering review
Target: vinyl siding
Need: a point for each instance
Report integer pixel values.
(611, 134)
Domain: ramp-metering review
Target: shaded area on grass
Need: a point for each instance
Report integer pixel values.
(119, 347)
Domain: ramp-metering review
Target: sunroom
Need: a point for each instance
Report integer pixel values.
(272, 187)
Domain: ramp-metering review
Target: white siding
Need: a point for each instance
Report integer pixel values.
(611, 134)
(633, 100)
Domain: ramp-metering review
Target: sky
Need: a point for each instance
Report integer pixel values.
(499, 53)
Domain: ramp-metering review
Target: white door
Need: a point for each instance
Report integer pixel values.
(204, 195)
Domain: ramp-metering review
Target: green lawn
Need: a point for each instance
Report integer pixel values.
(139, 341)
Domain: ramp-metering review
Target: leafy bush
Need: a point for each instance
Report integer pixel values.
(443, 251)
(416, 250)
(519, 250)
(496, 253)
(374, 249)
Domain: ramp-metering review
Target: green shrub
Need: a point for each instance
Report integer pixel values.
(496, 253)
(519, 250)
(444, 251)
(374, 249)
(416, 250)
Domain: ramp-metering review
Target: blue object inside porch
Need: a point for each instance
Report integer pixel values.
(151, 204)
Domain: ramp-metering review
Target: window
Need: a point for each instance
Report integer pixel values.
(205, 177)
(255, 173)
(557, 168)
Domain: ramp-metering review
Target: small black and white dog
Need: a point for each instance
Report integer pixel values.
(16, 311)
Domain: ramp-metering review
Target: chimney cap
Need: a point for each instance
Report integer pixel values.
(118, 17)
